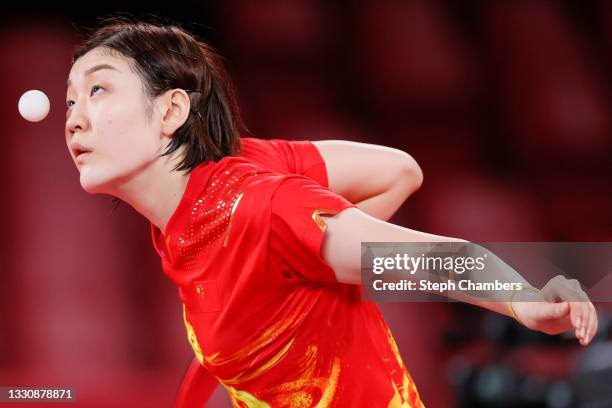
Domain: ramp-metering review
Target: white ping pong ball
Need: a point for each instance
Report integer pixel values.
(34, 105)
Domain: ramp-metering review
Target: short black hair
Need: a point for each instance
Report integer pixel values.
(166, 56)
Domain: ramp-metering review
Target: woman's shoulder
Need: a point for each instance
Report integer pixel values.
(234, 175)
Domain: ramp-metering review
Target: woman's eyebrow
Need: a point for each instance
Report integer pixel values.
(94, 69)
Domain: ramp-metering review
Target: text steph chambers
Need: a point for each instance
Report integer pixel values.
(449, 285)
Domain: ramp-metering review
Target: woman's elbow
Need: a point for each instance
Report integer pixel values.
(410, 175)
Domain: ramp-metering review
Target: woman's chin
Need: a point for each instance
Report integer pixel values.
(92, 185)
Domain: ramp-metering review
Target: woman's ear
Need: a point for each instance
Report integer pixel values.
(175, 108)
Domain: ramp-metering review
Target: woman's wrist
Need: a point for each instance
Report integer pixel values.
(525, 294)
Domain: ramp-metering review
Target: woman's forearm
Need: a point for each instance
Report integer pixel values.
(342, 250)
(559, 306)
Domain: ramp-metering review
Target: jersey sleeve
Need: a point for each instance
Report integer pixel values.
(297, 228)
(287, 157)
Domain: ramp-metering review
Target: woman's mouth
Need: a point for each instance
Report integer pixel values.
(79, 150)
(82, 153)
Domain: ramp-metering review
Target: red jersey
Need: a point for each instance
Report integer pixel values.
(287, 157)
(263, 312)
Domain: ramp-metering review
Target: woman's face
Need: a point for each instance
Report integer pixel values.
(107, 116)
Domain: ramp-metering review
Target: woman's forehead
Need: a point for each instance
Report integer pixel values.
(97, 60)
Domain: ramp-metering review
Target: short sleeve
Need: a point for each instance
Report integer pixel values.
(297, 228)
(287, 157)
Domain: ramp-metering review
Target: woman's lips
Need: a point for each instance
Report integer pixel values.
(83, 154)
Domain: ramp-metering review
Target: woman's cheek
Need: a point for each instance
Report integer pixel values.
(127, 139)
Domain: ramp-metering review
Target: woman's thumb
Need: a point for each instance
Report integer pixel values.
(560, 309)
(552, 310)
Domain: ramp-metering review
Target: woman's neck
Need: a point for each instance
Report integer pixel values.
(155, 192)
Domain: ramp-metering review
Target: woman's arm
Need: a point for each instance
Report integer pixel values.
(377, 179)
(561, 305)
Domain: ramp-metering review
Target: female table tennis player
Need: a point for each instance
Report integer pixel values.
(265, 256)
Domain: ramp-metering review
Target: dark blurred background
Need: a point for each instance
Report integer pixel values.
(505, 104)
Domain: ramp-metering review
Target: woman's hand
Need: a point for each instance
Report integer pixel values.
(560, 306)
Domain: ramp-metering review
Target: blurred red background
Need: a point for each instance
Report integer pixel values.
(505, 105)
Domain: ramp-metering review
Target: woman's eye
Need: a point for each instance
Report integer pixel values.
(94, 89)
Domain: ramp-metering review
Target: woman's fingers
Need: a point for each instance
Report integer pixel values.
(578, 317)
(561, 289)
(590, 326)
(586, 330)
(586, 326)
(583, 312)
(593, 323)
(586, 312)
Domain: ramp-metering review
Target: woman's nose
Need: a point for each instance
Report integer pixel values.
(77, 121)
